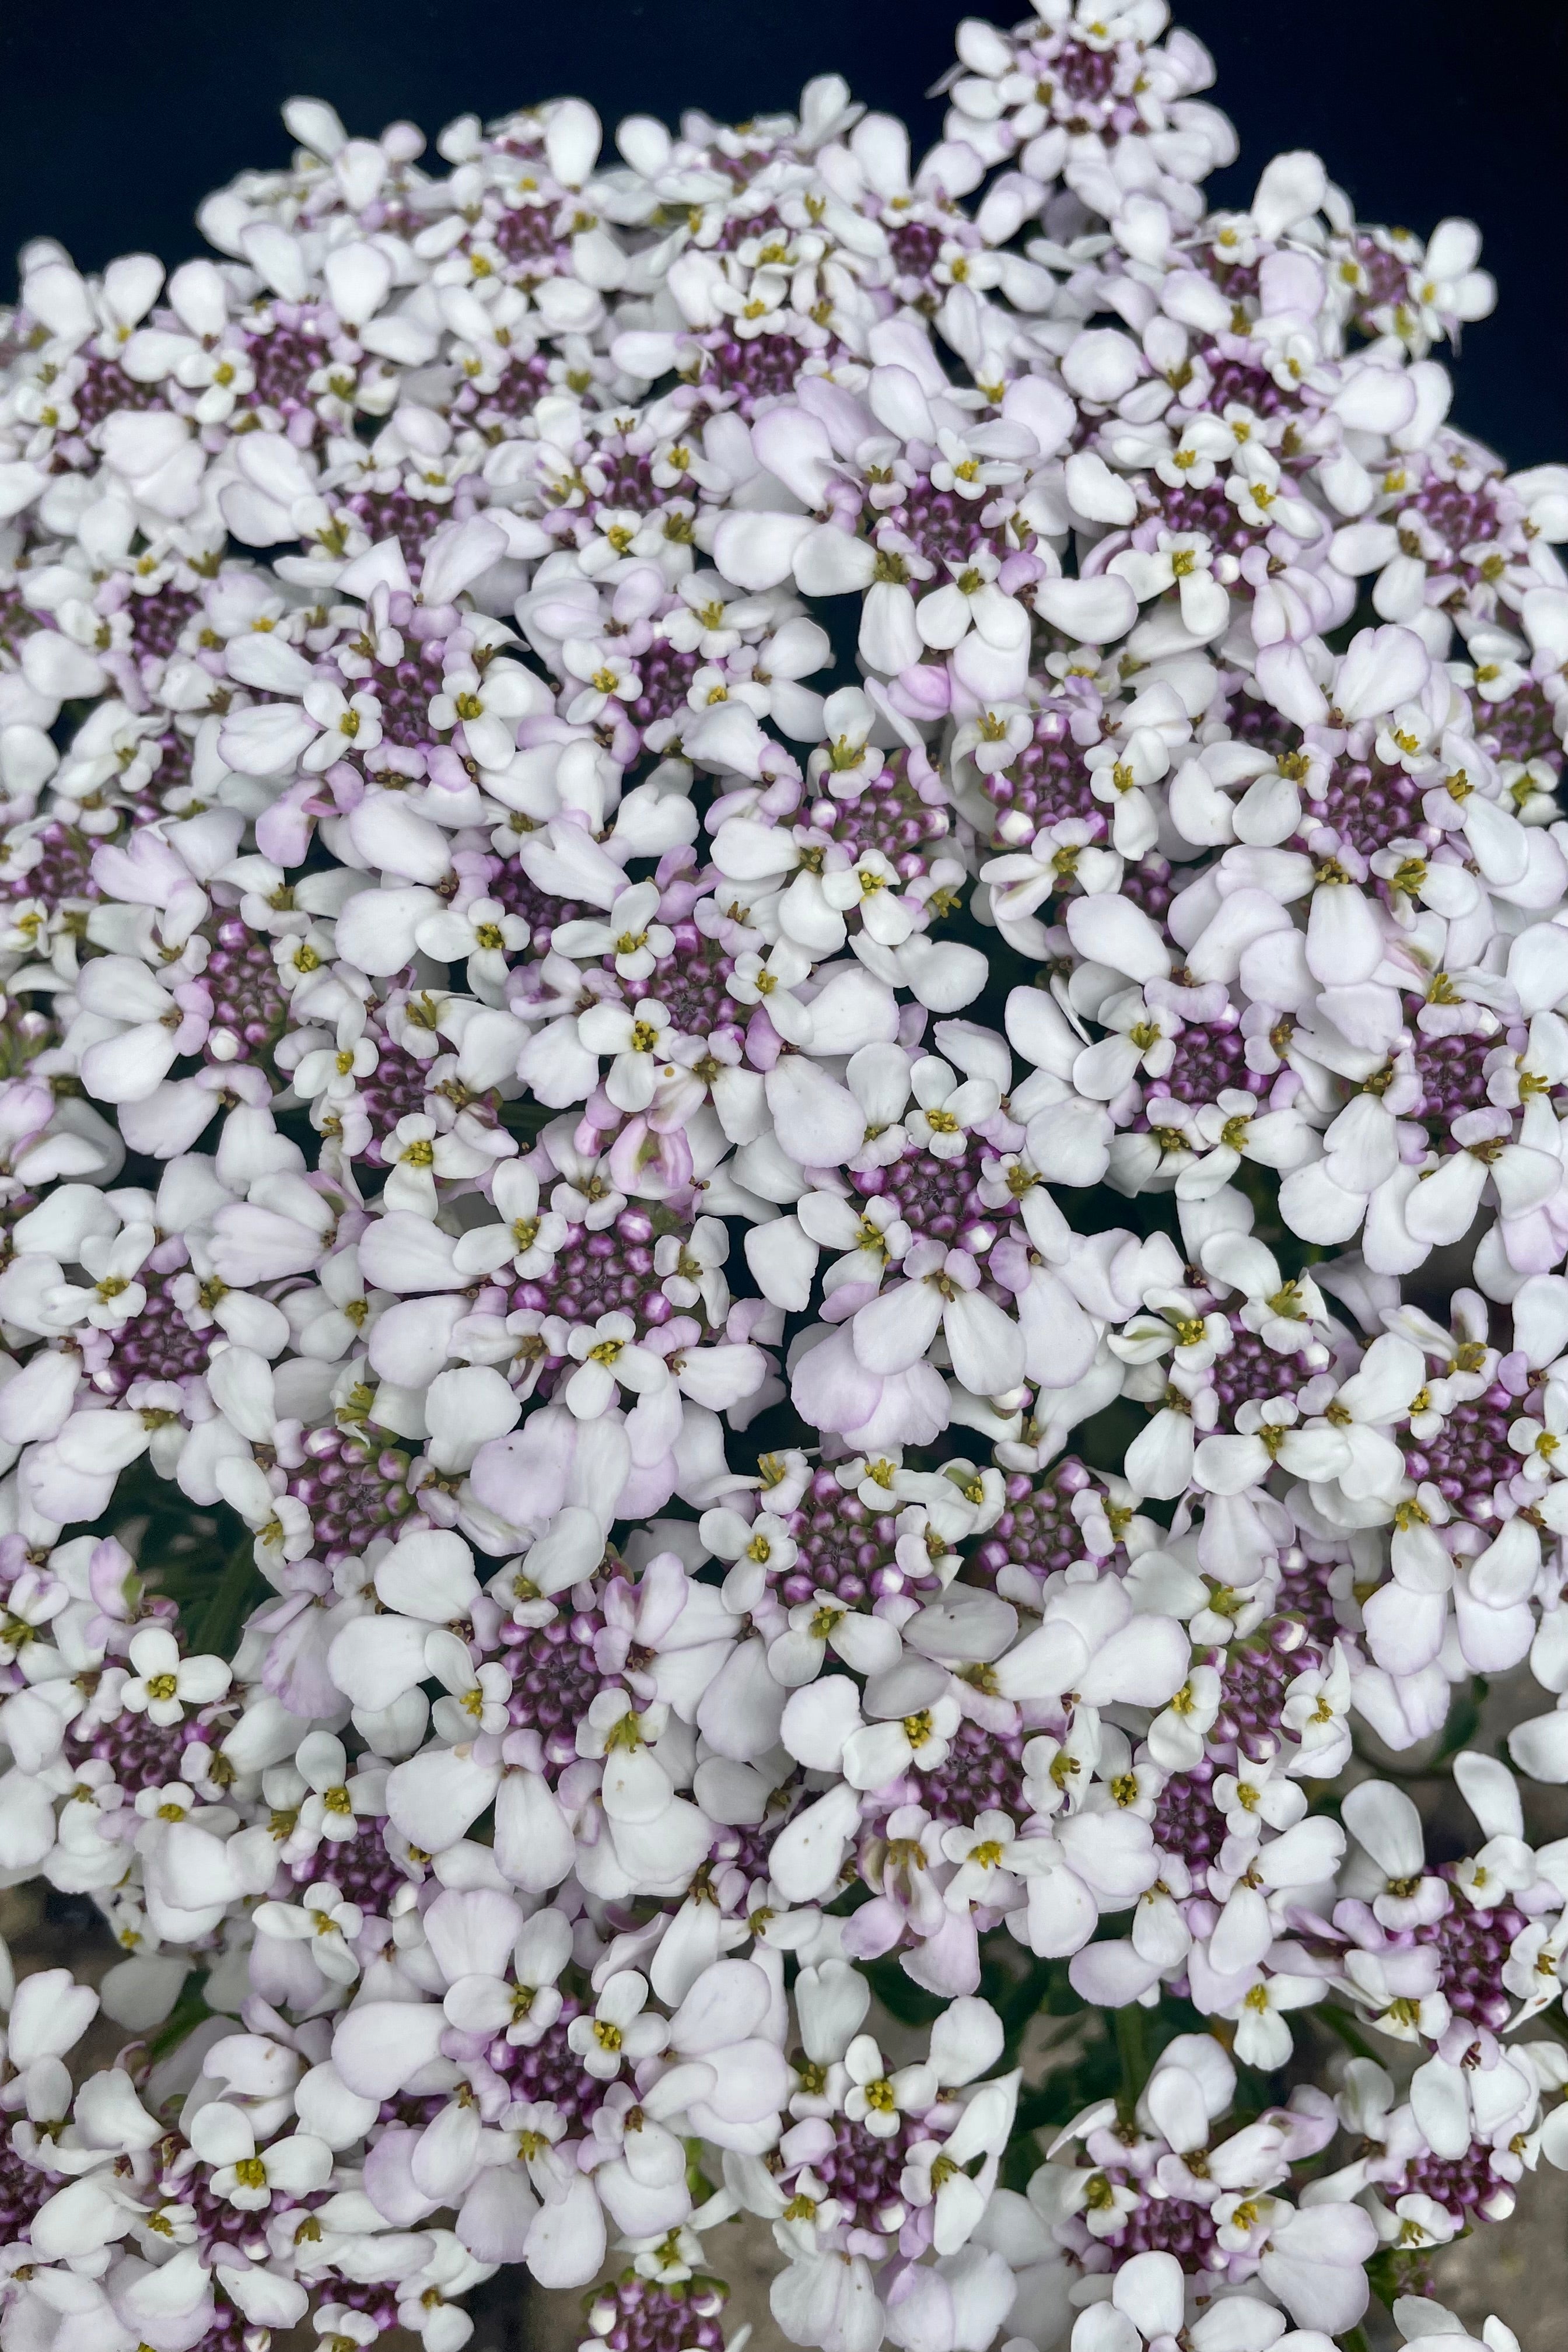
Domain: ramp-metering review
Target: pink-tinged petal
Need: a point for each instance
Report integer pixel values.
(566, 2240)
(378, 2047)
(898, 1326)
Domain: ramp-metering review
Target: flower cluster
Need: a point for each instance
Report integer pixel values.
(782, 1062)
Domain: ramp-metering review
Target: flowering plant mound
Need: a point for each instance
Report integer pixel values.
(786, 1033)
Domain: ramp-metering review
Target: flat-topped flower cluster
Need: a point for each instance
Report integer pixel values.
(785, 1016)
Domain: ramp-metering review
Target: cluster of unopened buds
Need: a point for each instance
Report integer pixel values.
(786, 1023)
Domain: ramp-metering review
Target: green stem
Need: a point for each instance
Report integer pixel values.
(237, 1588)
(1338, 2022)
(1129, 2049)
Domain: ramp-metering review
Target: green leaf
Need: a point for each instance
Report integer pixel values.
(189, 2012)
(901, 1996)
(215, 1589)
(1132, 2051)
(525, 1117)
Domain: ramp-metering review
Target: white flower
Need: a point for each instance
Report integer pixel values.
(878, 2099)
(871, 885)
(528, 1236)
(629, 933)
(971, 600)
(347, 724)
(639, 1038)
(618, 2032)
(942, 1292)
(1147, 2305)
(487, 707)
(609, 1359)
(1228, 1465)
(418, 1153)
(1262, 2036)
(947, 1106)
(163, 1683)
(607, 677)
(483, 936)
(247, 2176)
(323, 1921)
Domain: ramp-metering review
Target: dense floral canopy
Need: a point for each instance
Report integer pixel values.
(784, 1039)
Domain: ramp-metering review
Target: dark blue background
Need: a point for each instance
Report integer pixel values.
(116, 118)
